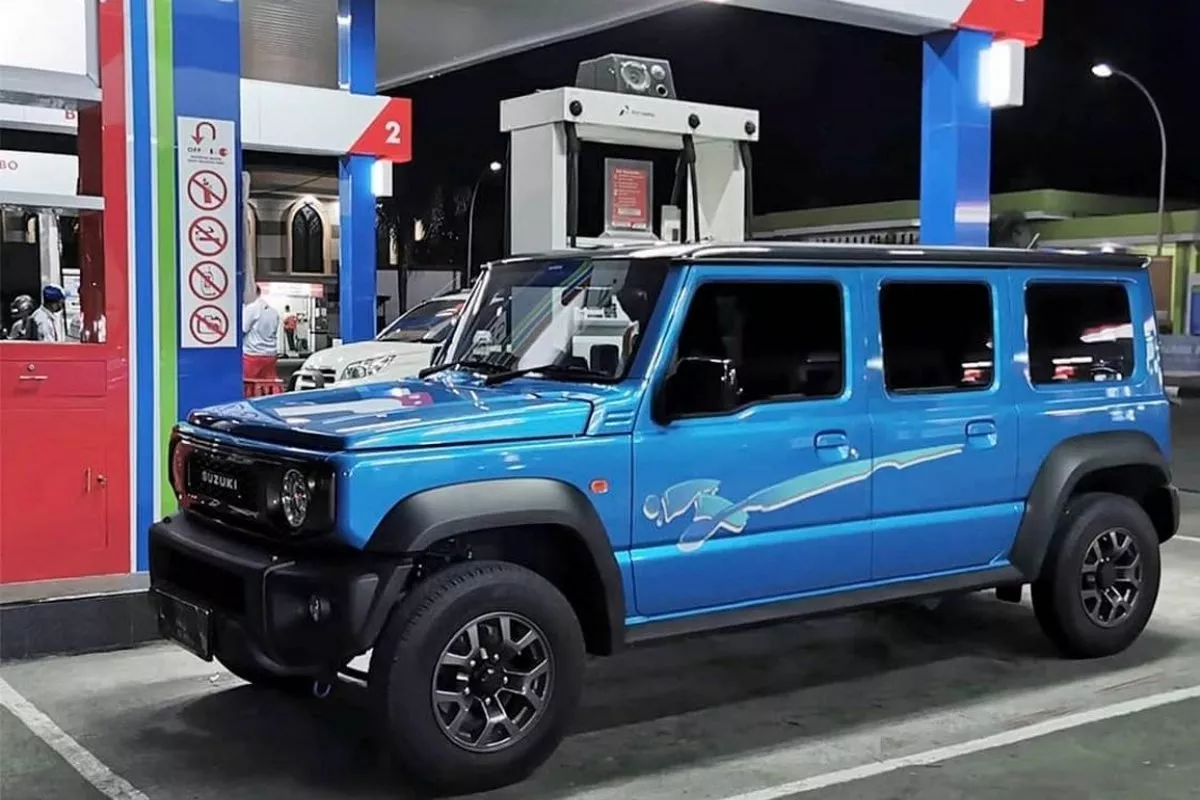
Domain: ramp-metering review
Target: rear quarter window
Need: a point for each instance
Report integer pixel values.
(1079, 332)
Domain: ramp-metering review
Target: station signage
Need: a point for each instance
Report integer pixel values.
(629, 192)
(208, 307)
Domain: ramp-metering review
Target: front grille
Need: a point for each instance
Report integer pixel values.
(228, 480)
(329, 375)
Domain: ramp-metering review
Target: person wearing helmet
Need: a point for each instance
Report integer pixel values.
(49, 319)
(22, 327)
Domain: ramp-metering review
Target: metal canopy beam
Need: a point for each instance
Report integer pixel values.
(422, 38)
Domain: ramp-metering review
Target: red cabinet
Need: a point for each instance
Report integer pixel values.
(63, 464)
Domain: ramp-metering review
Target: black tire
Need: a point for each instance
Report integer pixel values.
(1058, 595)
(405, 666)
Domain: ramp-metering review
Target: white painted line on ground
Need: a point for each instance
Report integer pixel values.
(1195, 539)
(112, 785)
(941, 754)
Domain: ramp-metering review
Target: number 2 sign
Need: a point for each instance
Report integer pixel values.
(389, 134)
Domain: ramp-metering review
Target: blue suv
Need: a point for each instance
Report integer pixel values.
(619, 446)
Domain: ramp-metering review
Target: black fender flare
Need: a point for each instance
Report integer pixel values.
(1060, 473)
(435, 515)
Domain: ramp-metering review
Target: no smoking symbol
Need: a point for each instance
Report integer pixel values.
(208, 324)
(208, 236)
(208, 280)
(207, 190)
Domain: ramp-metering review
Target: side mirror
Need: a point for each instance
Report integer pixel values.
(699, 386)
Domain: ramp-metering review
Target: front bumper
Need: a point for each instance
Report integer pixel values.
(260, 597)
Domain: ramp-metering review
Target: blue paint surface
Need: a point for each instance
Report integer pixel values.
(793, 498)
(145, 436)
(207, 52)
(956, 141)
(356, 266)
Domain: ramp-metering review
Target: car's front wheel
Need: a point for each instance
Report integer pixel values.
(476, 676)
(1101, 577)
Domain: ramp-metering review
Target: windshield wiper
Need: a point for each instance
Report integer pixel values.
(466, 363)
(546, 369)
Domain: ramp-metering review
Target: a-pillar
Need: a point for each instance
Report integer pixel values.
(206, 41)
(956, 141)
(356, 259)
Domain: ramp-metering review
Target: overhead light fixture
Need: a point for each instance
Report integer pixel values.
(495, 166)
(1002, 74)
(1102, 70)
(381, 178)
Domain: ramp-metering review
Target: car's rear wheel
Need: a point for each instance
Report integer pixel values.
(1101, 578)
(476, 676)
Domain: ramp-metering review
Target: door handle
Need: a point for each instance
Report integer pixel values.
(981, 427)
(33, 378)
(87, 481)
(830, 440)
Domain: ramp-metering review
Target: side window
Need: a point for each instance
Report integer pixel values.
(1078, 332)
(780, 340)
(937, 337)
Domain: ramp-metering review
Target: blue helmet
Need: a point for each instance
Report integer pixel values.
(52, 294)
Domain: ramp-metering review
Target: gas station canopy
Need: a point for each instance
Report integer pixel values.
(293, 41)
(421, 38)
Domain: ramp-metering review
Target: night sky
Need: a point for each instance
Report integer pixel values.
(841, 106)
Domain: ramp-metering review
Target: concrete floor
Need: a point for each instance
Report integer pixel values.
(754, 715)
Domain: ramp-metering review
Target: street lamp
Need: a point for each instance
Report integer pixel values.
(1107, 71)
(490, 169)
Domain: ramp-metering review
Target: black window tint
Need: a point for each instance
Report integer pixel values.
(937, 337)
(1078, 332)
(784, 339)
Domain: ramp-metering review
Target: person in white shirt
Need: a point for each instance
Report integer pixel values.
(49, 319)
(260, 339)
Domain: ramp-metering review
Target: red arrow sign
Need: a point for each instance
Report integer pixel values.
(389, 135)
(198, 136)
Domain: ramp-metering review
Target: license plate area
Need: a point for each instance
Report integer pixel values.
(184, 622)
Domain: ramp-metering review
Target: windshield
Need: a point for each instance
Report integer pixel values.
(584, 316)
(431, 321)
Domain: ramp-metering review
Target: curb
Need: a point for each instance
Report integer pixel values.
(76, 625)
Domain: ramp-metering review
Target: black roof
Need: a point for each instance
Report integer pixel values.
(753, 252)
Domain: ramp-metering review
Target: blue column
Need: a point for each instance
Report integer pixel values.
(356, 266)
(956, 141)
(208, 66)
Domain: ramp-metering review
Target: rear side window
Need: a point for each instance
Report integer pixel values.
(937, 337)
(1079, 332)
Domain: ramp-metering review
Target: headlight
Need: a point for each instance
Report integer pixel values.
(295, 497)
(366, 367)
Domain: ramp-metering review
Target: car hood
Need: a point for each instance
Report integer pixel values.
(398, 414)
(337, 358)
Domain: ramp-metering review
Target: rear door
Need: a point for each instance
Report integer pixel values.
(944, 422)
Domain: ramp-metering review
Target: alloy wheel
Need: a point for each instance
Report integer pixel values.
(492, 682)
(1111, 577)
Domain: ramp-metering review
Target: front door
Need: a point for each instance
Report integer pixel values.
(769, 497)
(943, 492)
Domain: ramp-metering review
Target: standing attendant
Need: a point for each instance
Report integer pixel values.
(260, 339)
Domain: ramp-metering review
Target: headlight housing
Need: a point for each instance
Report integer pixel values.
(366, 367)
(295, 497)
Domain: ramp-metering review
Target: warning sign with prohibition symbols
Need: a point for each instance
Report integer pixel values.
(208, 324)
(208, 280)
(209, 227)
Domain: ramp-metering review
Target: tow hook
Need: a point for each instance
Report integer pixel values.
(321, 689)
